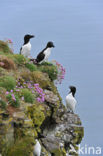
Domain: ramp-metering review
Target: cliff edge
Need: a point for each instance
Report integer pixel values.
(31, 108)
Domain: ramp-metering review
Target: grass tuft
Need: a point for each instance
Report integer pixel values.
(31, 67)
(6, 62)
(14, 102)
(4, 47)
(28, 96)
(2, 103)
(19, 59)
(7, 82)
(51, 70)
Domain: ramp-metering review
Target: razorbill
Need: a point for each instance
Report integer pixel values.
(70, 99)
(45, 53)
(37, 149)
(26, 48)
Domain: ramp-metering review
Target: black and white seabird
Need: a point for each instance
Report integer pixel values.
(37, 149)
(45, 53)
(70, 99)
(26, 48)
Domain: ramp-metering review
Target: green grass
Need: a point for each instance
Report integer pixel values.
(28, 96)
(15, 103)
(31, 67)
(51, 70)
(2, 104)
(1, 53)
(7, 82)
(19, 59)
(4, 47)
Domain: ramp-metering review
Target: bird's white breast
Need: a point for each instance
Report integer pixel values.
(47, 53)
(71, 102)
(37, 148)
(26, 49)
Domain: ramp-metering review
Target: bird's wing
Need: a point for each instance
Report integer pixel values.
(20, 50)
(40, 57)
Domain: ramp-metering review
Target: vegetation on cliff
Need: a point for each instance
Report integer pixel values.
(30, 105)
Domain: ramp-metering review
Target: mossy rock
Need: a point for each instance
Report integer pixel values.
(54, 89)
(22, 147)
(36, 114)
(59, 152)
(6, 133)
(75, 153)
(45, 152)
(79, 134)
(4, 47)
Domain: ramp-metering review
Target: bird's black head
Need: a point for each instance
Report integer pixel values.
(72, 90)
(27, 38)
(50, 45)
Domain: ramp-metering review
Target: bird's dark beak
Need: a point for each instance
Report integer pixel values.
(32, 36)
(53, 46)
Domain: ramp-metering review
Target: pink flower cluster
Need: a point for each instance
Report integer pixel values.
(7, 93)
(13, 96)
(22, 98)
(61, 71)
(39, 90)
(1, 64)
(10, 44)
(9, 41)
(31, 86)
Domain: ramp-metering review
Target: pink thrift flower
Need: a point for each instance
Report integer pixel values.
(10, 41)
(1, 63)
(38, 99)
(36, 85)
(17, 90)
(22, 98)
(43, 99)
(32, 91)
(7, 93)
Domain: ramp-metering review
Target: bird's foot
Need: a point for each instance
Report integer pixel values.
(70, 111)
(33, 61)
